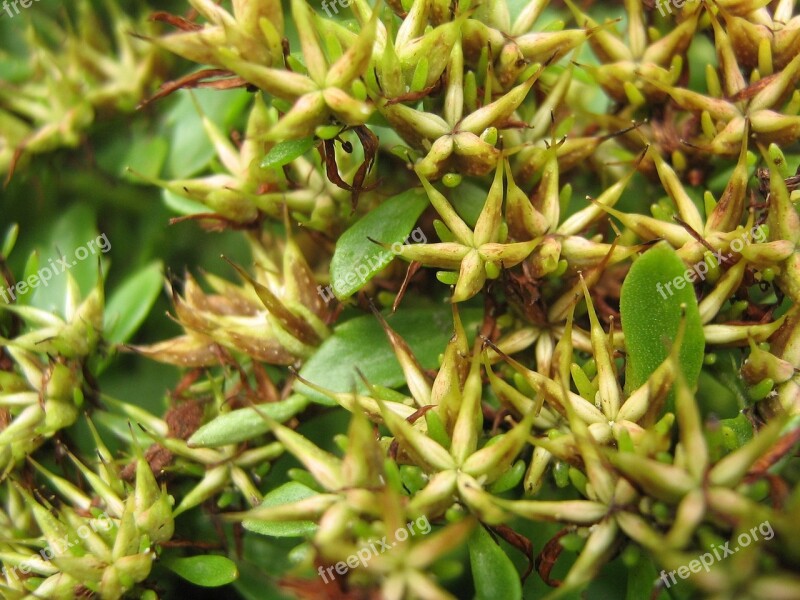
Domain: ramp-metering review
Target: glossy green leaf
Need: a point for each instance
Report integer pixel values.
(650, 308)
(285, 494)
(131, 302)
(209, 570)
(245, 423)
(493, 572)
(357, 259)
(362, 343)
(283, 153)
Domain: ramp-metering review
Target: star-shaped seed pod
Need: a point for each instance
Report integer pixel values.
(93, 68)
(45, 388)
(276, 317)
(105, 544)
(359, 503)
(478, 253)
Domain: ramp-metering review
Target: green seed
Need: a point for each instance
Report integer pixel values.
(452, 180)
(561, 473)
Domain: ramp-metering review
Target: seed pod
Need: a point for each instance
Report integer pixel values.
(454, 96)
(524, 221)
(727, 213)
(484, 505)
(580, 512)
(689, 514)
(782, 218)
(596, 550)
(436, 496)
(764, 256)
(508, 254)
(413, 25)
(469, 421)
(546, 258)
(541, 47)
(488, 223)
(435, 45)
(606, 46)
(493, 461)
(581, 220)
(724, 289)
(426, 453)
(737, 335)
(731, 73)
(779, 89)
(675, 43)
(665, 482)
(418, 382)
(786, 43)
(196, 46)
(496, 113)
(772, 127)
(534, 477)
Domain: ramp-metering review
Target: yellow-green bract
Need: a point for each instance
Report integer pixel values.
(650, 319)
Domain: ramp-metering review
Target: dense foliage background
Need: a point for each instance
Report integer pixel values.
(86, 154)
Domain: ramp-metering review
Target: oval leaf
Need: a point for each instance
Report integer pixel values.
(246, 423)
(361, 343)
(493, 572)
(208, 570)
(74, 229)
(283, 153)
(650, 308)
(356, 259)
(131, 302)
(285, 494)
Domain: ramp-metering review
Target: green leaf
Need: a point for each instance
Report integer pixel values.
(651, 314)
(31, 268)
(146, 155)
(72, 236)
(362, 343)
(283, 153)
(493, 572)
(209, 570)
(10, 240)
(180, 205)
(640, 579)
(245, 423)
(356, 259)
(190, 150)
(285, 494)
(131, 302)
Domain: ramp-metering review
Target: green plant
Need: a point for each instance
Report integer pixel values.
(516, 291)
